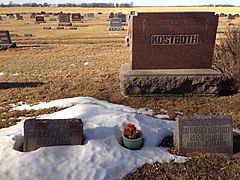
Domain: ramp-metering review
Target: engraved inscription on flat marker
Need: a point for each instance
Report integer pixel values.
(209, 134)
(52, 132)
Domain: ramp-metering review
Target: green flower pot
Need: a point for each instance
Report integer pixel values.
(132, 144)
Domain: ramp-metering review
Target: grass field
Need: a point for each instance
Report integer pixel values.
(56, 64)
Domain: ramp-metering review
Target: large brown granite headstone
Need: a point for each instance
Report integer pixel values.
(52, 132)
(171, 54)
(168, 40)
(208, 134)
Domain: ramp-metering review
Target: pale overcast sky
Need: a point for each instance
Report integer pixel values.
(135, 2)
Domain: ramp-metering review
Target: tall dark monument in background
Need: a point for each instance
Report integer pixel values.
(171, 53)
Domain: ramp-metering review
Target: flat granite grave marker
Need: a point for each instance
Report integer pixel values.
(52, 132)
(207, 134)
(5, 40)
(171, 53)
(64, 19)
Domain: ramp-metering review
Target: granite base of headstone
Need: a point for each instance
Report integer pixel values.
(206, 82)
(204, 134)
(52, 132)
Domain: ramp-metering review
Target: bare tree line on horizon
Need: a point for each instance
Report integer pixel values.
(11, 4)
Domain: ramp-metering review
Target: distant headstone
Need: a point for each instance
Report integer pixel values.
(230, 23)
(73, 28)
(3, 17)
(220, 31)
(230, 16)
(90, 15)
(132, 12)
(60, 27)
(47, 27)
(121, 16)
(52, 132)
(76, 17)
(11, 16)
(19, 16)
(236, 15)
(28, 35)
(5, 40)
(46, 15)
(64, 19)
(33, 16)
(40, 19)
(115, 24)
(111, 15)
(171, 53)
(205, 134)
(13, 35)
(222, 15)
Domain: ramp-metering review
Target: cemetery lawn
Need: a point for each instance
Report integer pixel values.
(56, 64)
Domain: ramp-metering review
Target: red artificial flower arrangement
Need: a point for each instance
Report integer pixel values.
(131, 131)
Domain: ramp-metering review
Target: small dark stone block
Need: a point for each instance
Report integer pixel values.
(60, 27)
(73, 28)
(28, 35)
(204, 134)
(52, 132)
(47, 27)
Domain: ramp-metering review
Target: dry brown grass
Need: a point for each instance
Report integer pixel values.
(56, 58)
(50, 65)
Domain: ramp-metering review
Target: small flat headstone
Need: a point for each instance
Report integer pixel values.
(28, 35)
(47, 27)
(204, 134)
(73, 28)
(52, 132)
(14, 35)
(60, 27)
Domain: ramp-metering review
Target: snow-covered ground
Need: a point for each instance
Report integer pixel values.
(101, 156)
